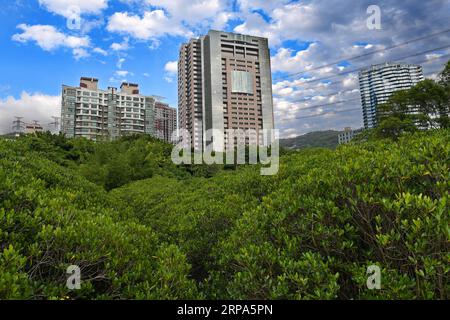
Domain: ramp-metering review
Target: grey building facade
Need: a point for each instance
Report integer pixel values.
(95, 114)
(379, 82)
(348, 134)
(165, 121)
(225, 82)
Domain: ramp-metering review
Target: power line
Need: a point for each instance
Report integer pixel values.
(359, 69)
(351, 90)
(365, 54)
(326, 95)
(329, 104)
(18, 124)
(336, 103)
(336, 82)
(324, 114)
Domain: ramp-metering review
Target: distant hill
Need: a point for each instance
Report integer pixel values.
(318, 139)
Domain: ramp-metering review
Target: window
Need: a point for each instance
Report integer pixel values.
(242, 82)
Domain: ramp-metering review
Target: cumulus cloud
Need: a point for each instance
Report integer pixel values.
(49, 39)
(67, 8)
(31, 106)
(286, 60)
(171, 67)
(171, 70)
(120, 62)
(80, 53)
(123, 73)
(264, 5)
(100, 51)
(152, 24)
(123, 46)
(161, 18)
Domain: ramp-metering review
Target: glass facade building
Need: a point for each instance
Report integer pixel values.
(379, 82)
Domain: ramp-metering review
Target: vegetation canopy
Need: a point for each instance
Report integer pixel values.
(140, 227)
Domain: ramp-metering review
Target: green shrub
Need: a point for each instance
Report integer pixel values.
(140, 227)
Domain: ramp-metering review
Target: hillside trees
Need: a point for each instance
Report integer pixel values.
(309, 232)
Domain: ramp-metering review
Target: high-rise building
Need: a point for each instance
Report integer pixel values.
(33, 128)
(379, 82)
(190, 91)
(97, 114)
(165, 121)
(224, 82)
(348, 134)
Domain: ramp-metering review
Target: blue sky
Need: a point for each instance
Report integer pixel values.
(138, 41)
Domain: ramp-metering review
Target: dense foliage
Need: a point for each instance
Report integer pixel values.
(318, 139)
(140, 227)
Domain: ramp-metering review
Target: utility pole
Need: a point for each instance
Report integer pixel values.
(18, 125)
(55, 123)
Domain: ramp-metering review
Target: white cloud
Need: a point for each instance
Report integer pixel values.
(120, 76)
(123, 73)
(222, 19)
(184, 18)
(171, 67)
(100, 51)
(123, 46)
(285, 61)
(152, 25)
(267, 6)
(49, 39)
(192, 11)
(80, 53)
(35, 106)
(120, 62)
(67, 8)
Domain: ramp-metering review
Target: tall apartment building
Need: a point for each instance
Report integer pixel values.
(348, 134)
(379, 82)
(224, 82)
(165, 121)
(96, 114)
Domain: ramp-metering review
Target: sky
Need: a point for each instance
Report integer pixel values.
(47, 43)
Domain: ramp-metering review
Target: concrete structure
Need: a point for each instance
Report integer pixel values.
(165, 121)
(379, 82)
(347, 135)
(224, 82)
(33, 128)
(97, 114)
(190, 91)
